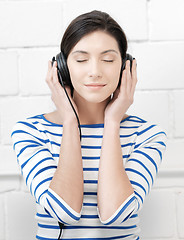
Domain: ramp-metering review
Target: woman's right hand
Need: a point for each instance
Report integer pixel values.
(58, 95)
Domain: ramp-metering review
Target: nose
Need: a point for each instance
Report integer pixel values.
(95, 69)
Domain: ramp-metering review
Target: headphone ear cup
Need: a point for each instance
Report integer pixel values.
(121, 72)
(122, 68)
(63, 71)
(62, 68)
(128, 57)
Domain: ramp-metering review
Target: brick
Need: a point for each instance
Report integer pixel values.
(152, 106)
(9, 183)
(23, 186)
(33, 70)
(2, 218)
(180, 213)
(8, 161)
(158, 215)
(166, 20)
(20, 109)
(8, 73)
(174, 154)
(20, 216)
(178, 113)
(155, 64)
(167, 177)
(120, 11)
(30, 23)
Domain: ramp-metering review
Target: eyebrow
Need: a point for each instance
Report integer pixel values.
(106, 51)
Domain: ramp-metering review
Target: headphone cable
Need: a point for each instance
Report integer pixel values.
(70, 103)
(61, 224)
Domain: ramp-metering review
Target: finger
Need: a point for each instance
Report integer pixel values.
(49, 67)
(57, 90)
(129, 77)
(49, 73)
(56, 84)
(123, 80)
(55, 63)
(51, 78)
(49, 64)
(55, 75)
(134, 69)
(53, 67)
(134, 76)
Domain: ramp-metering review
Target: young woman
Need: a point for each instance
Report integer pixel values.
(93, 187)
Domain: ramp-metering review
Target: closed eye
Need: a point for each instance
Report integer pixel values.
(102, 60)
(81, 60)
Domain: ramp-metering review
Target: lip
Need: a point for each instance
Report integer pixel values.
(95, 86)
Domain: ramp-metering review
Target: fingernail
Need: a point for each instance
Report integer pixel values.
(135, 61)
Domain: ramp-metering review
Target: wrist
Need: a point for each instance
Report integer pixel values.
(111, 123)
(70, 122)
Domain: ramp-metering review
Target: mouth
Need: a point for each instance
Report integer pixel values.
(95, 86)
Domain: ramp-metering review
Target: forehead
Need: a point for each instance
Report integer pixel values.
(97, 41)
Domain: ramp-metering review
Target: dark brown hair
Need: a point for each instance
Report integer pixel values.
(88, 23)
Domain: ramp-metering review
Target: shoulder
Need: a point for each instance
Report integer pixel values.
(151, 128)
(37, 127)
(27, 123)
(28, 128)
(142, 123)
(150, 132)
(144, 129)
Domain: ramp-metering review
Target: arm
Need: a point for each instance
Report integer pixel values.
(141, 168)
(69, 172)
(114, 186)
(47, 183)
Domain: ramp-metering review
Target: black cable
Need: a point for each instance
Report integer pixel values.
(61, 227)
(70, 103)
(61, 224)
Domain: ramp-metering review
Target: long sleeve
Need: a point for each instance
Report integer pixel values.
(38, 166)
(141, 167)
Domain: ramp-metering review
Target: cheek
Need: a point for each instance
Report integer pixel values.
(75, 74)
(114, 72)
(114, 78)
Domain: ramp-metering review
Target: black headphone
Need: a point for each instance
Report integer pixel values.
(64, 79)
(64, 74)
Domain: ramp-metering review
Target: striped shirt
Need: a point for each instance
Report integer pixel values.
(37, 141)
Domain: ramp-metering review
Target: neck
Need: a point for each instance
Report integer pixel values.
(89, 112)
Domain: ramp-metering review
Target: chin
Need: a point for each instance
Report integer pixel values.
(95, 99)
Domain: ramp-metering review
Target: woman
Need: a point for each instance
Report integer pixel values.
(93, 188)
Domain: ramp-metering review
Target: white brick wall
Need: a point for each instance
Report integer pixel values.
(153, 223)
(14, 229)
(30, 34)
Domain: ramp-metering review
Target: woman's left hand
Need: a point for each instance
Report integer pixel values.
(123, 96)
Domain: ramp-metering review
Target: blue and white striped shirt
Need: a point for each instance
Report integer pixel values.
(37, 141)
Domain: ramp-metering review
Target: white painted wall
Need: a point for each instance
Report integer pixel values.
(30, 34)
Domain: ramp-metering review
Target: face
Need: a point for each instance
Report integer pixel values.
(96, 60)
